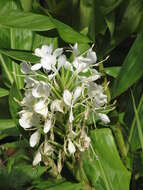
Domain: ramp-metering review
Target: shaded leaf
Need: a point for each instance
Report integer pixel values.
(132, 68)
(3, 92)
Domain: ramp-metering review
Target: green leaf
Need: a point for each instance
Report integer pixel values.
(8, 128)
(21, 55)
(112, 71)
(6, 123)
(3, 92)
(107, 6)
(68, 34)
(14, 97)
(132, 68)
(103, 166)
(57, 185)
(27, 20)
(6, 70)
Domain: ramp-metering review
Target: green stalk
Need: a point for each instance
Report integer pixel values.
(120, 141)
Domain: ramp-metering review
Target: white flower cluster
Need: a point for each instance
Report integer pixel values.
(60, 97)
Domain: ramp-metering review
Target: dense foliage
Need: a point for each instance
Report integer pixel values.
(113, 153)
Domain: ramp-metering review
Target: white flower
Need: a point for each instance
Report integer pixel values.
(37, 159)
(97, 93)
(41, 89)
(104, 118)
(82, 63)
(67, 96)
(26, 119)
(57, 105)
(47, 126)
(41, 108)
(34, 138)
(44, 50)
(48, 58)
(71, 147)
(25, 68)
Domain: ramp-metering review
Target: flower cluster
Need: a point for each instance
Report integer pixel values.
(61, 96)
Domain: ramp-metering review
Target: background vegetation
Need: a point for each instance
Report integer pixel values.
(116, 28)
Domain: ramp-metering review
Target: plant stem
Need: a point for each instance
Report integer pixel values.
(138, 122)
(133, 123)
(120, 141)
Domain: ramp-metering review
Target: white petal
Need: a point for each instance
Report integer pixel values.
(37, 52)
(41, 108)
(67, 96)
(48, 61)
(25, 120)
(56, 105)
(34, 138)
(25, 68)
(91, 55)
(71, 117)
(47, 49)
(35, 92)
(23, 123)
(75, 50)
(36, 67)
(37, 158)
(71, 147)
(77, 93)
(47, 126)
(68, 66)
(104, 118)
(61, 61)
(58, 52)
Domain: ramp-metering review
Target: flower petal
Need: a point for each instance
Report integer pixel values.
(56, 105)
(34, 138)
(36, 67)
(47, 126)
(71, 117)
(25, 68)
(77, 93)
(58, 52)
(104, 118)
(71, 147)
(37, 158)
(67, 96)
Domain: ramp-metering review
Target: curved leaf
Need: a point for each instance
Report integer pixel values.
(68, 34)
(27, 20)
(21, 55)
(132, 68)
(103, 167)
